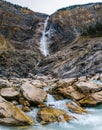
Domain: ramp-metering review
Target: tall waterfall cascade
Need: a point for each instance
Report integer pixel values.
(43, 41)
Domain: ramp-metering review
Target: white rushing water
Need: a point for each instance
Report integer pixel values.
(43, 41)
(59, 104)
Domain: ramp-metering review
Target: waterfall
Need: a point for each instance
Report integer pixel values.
(43, 41)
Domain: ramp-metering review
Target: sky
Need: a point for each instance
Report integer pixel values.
(49, 6)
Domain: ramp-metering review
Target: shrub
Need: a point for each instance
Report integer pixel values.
(93, 30)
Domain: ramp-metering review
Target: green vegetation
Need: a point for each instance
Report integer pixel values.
(95, 30)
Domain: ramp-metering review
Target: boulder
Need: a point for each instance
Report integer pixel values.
(49, 115)
(88, 87)
(67, 90)
(73, 107)
(12, 115)
(71, 92)
(32, 93)
(4, 83)
(9, 93)
(92, 99)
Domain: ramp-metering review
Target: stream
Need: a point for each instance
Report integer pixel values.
(90, 121)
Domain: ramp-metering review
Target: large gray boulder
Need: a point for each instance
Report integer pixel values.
(9, 93)
(32, 93)
(88, 87)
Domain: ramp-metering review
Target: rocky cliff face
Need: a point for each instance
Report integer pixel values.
(75, 42)
(82, 57)
(74, 36)
(68, 23)
(20, 32)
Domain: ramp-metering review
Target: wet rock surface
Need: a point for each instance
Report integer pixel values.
(75, 108)
(49, 115)
(92, 99)
(12, 115)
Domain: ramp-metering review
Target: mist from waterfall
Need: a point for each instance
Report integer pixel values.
(43, 41)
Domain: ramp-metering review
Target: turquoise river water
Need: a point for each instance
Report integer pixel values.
(90, 121)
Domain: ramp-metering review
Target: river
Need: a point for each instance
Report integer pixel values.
(90, 121)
